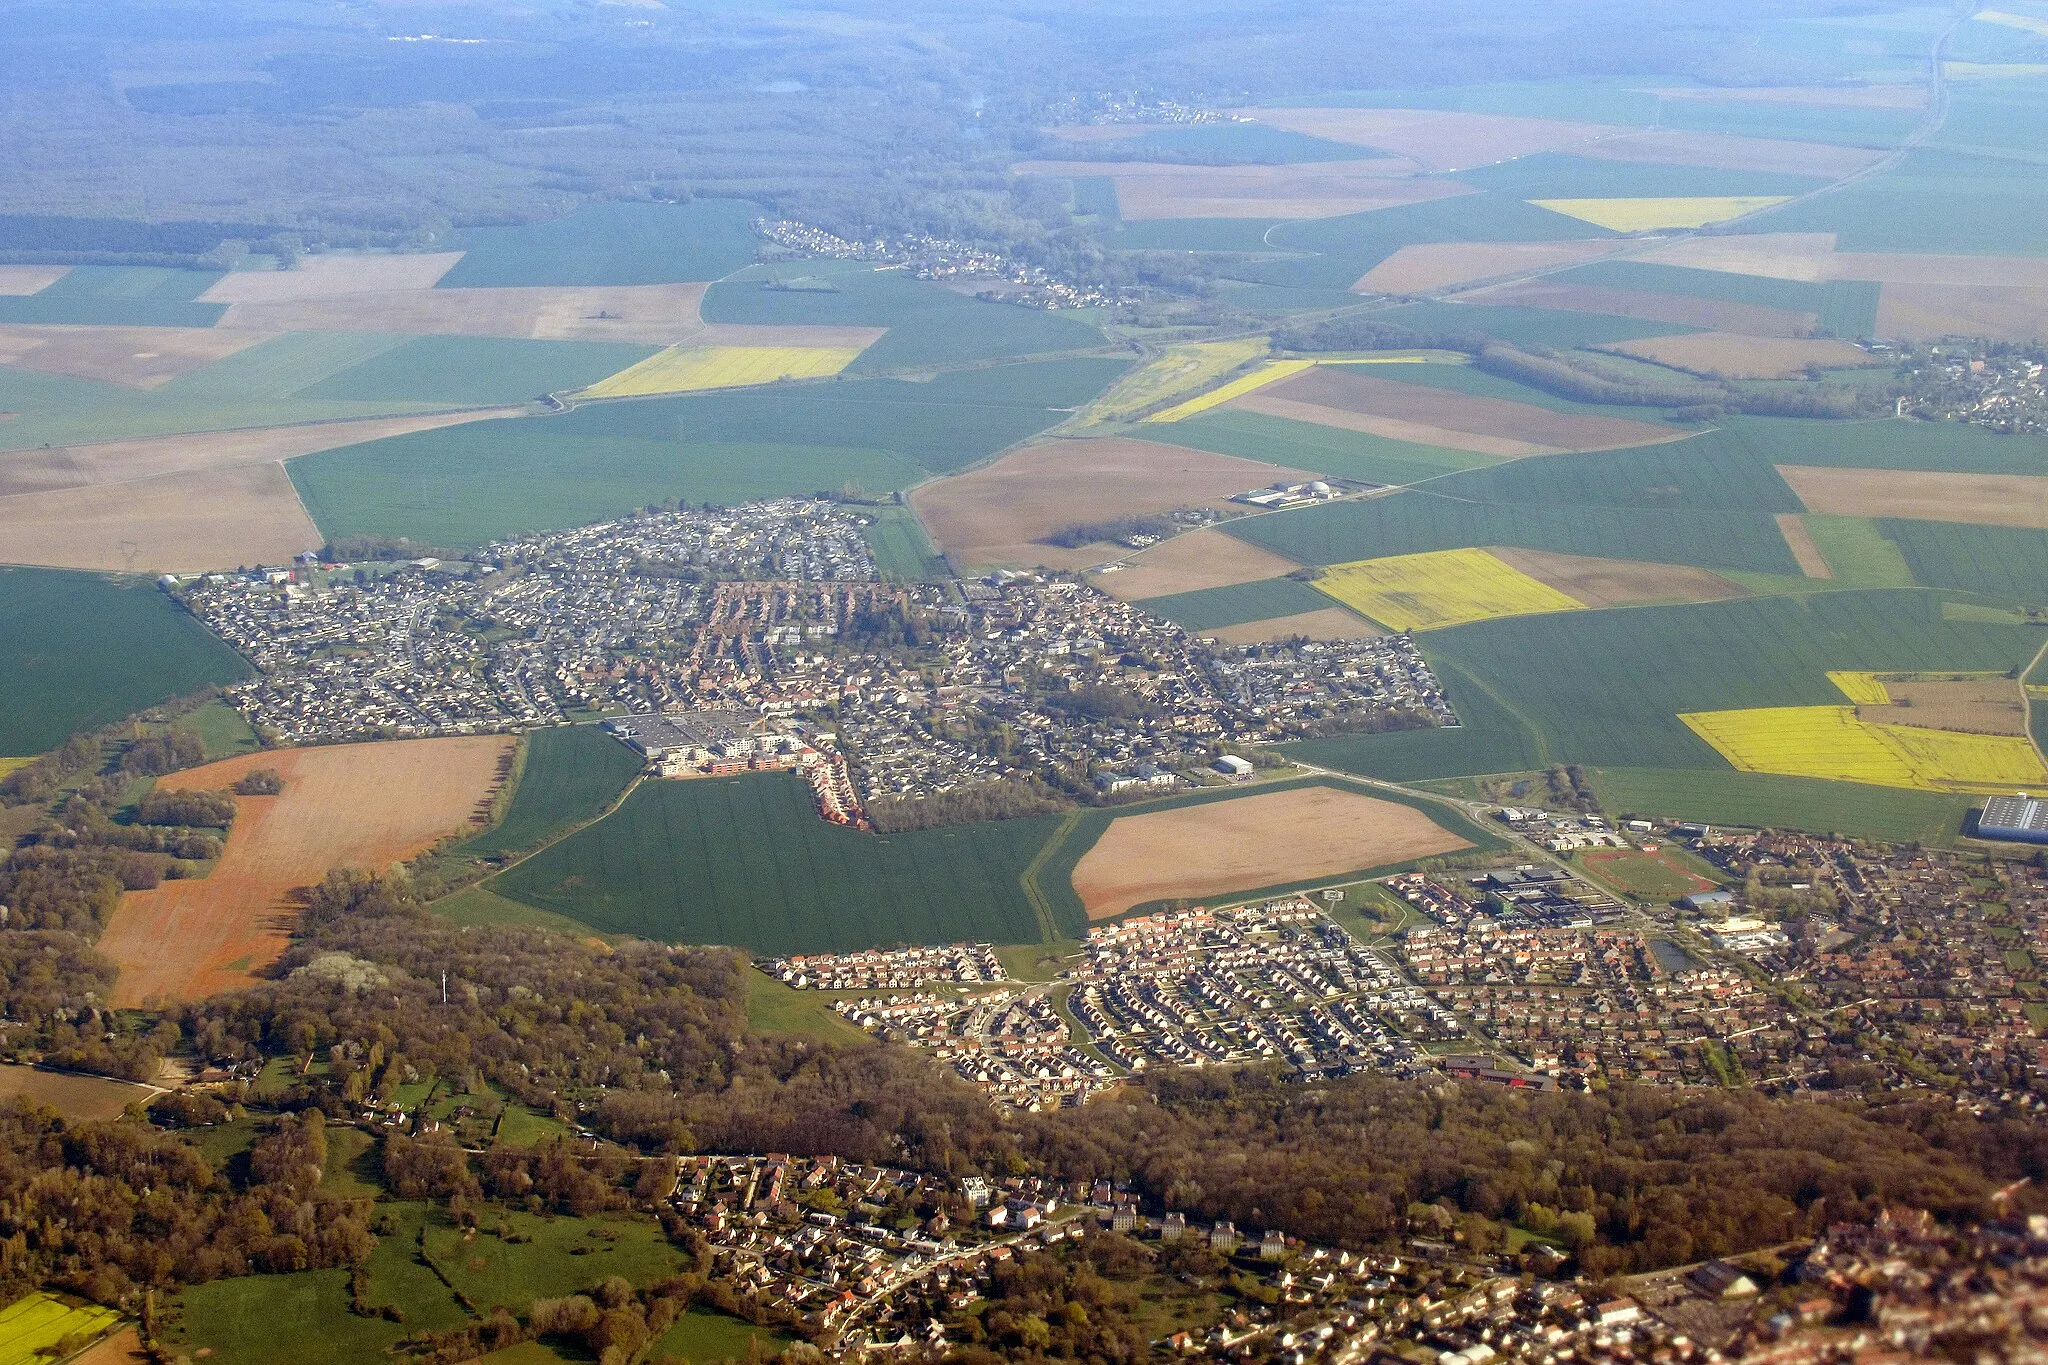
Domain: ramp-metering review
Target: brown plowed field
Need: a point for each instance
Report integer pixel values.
(656, 314)
(353, 805)
(1331, 623)
(181, 523)
(1258, 840)
(1931, 311)
(119, 1348)
(19, 280)
(1851, 97)
(1726, 152)
(1336, 387)
(79, 1098)
(1190, 562)
(1620, 582)
(1805, 256)
(326, 276)
(1799, 540)
(1986, 706)
(1393, 428)
(1438, 140)
(140, 357)
(1430, 266)
(1316, 190)
(1922, 495)
(996, 514)
(1724, 355)
(1717, 314)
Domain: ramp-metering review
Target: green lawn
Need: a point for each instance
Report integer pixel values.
(352, 1171)
(775, 1008)
(1645, 876)
(551, 1256)
(221, 729)
(610, 243)
(243, 1321)
(81, 650)
(703, 1335)
(479, 905)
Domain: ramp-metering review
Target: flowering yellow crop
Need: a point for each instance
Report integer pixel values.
(1829, 741)
(688, 369)
(1648, 215)
(1440, 588)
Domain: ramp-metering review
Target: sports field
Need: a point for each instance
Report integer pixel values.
(1441, 588)
(1831, 742)
(690, 369)
(31, 1327)
(1652, 215)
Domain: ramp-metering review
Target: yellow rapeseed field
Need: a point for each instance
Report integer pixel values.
(30, 1327)
(1440, 588)
(1830, 742)
(1174, 371)
(1648, 215)
(1862, 688)
(8, 765)
(688, 369)
(1270, 372)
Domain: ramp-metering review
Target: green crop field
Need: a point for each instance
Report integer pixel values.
(1844, 307)
(1094, 196)
(1887, 443)
(1318, 449)
(221, 730)
(119, 295)
(1557, 175)
(1552, 327)
(1702, 472)
(1605, 688)
(775, 1008)
(747, 861)
(1470, 379)
(83, 650)
(1765, 800)
(1342, 249)
(1934, 201)
(2000, 561)
(1214, 608)
(928, 323)
(2006, 117)
(1198, 234)
(477, 370)
(1858, 552)
(902, 550)
(568, 775)
(466, 485)
(610, 243)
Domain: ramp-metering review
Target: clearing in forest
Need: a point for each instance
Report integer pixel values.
(692, 369)
(1217, 848)
(78, 1098)
(1440, 588)
(1833, 742)
(350, 805)
(1922, 495)
(1651, 215)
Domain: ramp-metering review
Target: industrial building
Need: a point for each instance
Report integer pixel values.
(2021, 817)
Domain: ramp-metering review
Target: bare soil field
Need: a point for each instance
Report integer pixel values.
(1923, 495)
(352, 805)
(331, 274)
(656, 314)
(1430, 266)
(75, 1097)
(1393, 428)
(123, 1347)
(996, 514)
(1190, 562)
(1839, 96)
(19, 280)
(1978, 706)
(1725, 355)
(36, 471)
(1805, 256)
(139, 357)
(1438, 140)
(1335, 387)
(1747, 318)
(1898, 267)
(180, 523)
(1331, 623)
(1727, 152)
(1315, 190)
(1799, 540)
(1254, 841)
(1931, 311)
(1620, 582)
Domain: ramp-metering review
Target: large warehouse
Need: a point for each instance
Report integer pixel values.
(2019, 817)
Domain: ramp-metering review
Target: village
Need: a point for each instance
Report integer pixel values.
(1002, 279)
(722, 640)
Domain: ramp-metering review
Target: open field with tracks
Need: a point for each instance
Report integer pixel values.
(352, 805)
(77, 1097)
(1259, 840)
(1723, 355)
(1619, 582)
(1649, 214)
(1923, 495)
(1443, 588)
(1428, 415)
(139, 357)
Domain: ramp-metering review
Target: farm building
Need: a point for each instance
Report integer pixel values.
(2023, 818)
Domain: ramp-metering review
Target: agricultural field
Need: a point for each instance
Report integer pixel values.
(1214, 142)
(1330, 623)
(566, 776)
(609, 244)
(1002, 512)
(1221, 847)
(1929, 312)
(77, 1097)
(332, 273)
(1272, 372)
(1428, 267)
(1442, 588)
(1979, 706)
(1833, 742)
(138, 357)
(1660, 214)
(461, 488)
(1209, 609)
(1173, 372)
(691, 369)
(1912, 207)
(1723, 355)
(1632, 173)
(1922, 495)
(1658, 876)
(1436, 139)
(1619, 583)
(1190, 562)
(1331, 450)
(646, 314)
(1562, 294)
(1763, 800)
(32, 1327)
(354, 805)
(80, 651)
(118, 296)
(2004, 562)
(1558, 328)
(478, 370)
(1843, 305)
(1330, 189)
(746, 861)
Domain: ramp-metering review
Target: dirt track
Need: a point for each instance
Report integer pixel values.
(357, 805)
(1241, 845)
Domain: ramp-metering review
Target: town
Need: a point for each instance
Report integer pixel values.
(939, 258)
